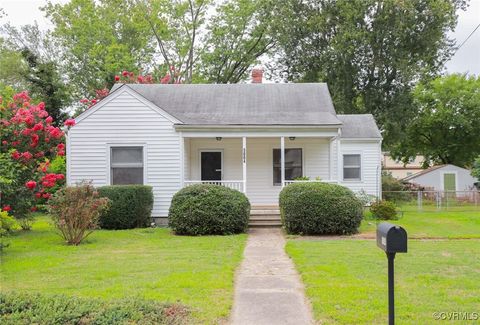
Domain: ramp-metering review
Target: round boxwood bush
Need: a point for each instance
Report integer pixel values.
(320, 208)
(205, 209)
(384, 210)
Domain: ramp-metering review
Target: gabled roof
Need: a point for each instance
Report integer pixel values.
(423, 172)
(359, 126)
(243, 104)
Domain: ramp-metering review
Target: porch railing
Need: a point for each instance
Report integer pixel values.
(236, 185)
(310, 181)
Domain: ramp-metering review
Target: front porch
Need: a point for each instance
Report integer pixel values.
(259, 166)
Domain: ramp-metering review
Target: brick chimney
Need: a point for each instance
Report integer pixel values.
(257, 75)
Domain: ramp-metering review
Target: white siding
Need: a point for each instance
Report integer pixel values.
(434, 179)
(371, 157)
(125, 120)
(260, 188)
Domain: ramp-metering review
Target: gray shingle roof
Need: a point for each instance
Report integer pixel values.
(243, 104)
(359, 126)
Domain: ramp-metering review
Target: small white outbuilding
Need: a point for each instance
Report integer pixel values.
(444, 178)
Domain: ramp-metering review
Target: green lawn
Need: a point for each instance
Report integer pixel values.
(454, 223)
(347, 284)
(148, 263)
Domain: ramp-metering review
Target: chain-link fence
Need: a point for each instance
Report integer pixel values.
(435, 200)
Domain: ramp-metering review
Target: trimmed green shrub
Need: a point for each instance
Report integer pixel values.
(131, 206)
(384, 210)
(23, 308)
(320, 208)
(205, 209)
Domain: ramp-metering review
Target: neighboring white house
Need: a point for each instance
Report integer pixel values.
(256, 138)
(444, 178)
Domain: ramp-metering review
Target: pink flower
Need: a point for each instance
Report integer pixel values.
(4, 142)
(38, 127)
(125, 73)
(38, 195)
(29, 120)
(60, 146)
(41, 105)
(33, 209)
(117, 78)
(46, 195)
(26, 131)
(61, 153)
(60, 176)
(70, 122)
(49, 120)
(27, 155)
(16, 155)
(6, 208)
(31, 185)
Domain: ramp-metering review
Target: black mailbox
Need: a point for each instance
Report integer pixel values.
(391, 238)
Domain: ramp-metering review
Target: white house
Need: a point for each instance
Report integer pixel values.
(256, 138)
(444, 178)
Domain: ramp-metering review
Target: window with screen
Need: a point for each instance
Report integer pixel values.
(126, 165)
(293, 165)
(351, 167)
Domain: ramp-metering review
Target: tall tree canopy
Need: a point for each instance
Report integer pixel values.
(28, 61)
(371, 53)
(446, 129)
(101, 38)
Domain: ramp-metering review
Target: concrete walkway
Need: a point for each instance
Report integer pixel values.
(268, 289)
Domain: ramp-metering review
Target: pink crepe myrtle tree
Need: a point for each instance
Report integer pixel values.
(28, 143)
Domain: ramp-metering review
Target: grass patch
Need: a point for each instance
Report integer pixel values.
(346, 280)
(453, 223)
(149, 264)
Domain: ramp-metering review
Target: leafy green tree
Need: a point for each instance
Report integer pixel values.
(476, 168)
(239, 34)
(45, 84)
(98, 39)
(445, 131)
(371, 53)
(29, 63)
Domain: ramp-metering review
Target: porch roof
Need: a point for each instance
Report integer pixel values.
(243, 104)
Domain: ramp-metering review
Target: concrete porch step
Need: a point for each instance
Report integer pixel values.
(264, 212)
(264, 223)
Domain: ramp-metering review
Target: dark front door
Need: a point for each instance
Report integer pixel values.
(211, 165)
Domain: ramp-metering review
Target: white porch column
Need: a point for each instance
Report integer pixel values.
(339, 161)
(332, 158)
(182, 160)
(282, 159)
(244, 163)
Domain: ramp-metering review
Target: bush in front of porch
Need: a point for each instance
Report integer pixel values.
(205, 209)
(320, 209)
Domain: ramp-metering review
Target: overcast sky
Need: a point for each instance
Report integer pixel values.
(467, 58)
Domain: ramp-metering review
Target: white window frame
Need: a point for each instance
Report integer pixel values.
(352, 180)
(109, 147)
(286, 148)
(200, 161)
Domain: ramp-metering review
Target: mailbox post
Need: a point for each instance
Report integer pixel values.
(391, 239)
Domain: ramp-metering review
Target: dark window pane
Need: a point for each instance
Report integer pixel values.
(351, 173)
(127, 155)
(125, 176)
(351, 160)
(293, 165)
